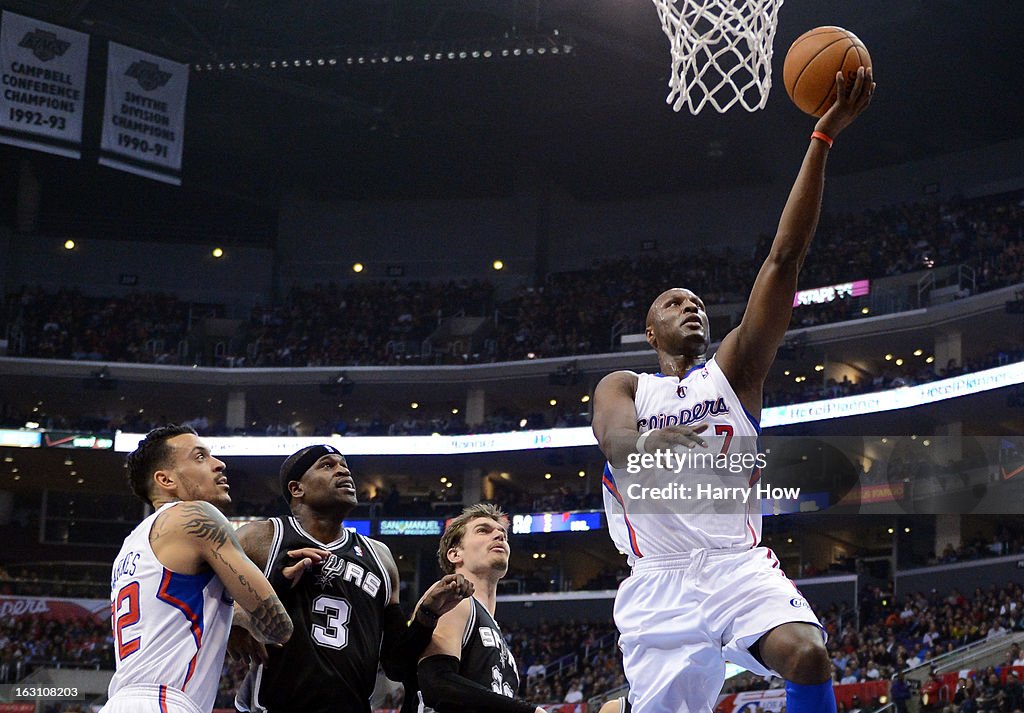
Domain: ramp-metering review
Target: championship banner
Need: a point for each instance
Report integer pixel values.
(42, 78)
(144, 121)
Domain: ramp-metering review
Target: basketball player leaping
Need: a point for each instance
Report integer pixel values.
(345, 606)
(701, 591)
(468, 668)
(174, 578)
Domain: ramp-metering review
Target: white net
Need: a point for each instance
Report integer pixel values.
(721, 52)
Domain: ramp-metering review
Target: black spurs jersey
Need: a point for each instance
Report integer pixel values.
(486, 658)
(330, 663)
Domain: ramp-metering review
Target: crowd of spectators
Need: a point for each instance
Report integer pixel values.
(893, 377)
(572, 661)
(446, 423)
(140, 327)
(571, 313)
(896, 635)
(33, 641)
(381, 323)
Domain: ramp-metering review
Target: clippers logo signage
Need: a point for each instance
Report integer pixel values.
(144, 123)
(42, 85)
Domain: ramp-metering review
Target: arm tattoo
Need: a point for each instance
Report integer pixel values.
(201, 525)
(272, 621)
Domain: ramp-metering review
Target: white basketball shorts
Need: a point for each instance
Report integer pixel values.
(681, 617)
(144, 698)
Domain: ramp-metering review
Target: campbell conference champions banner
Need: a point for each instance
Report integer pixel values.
(144, 122)
(42, 85)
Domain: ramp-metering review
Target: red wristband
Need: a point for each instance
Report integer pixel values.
(822, 137)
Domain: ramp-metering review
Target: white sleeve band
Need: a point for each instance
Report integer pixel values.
(641, 442)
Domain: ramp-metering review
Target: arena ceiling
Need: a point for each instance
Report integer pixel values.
(592, 123)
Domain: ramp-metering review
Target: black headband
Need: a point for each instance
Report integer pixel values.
(305, 460)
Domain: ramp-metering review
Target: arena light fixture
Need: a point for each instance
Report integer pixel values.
(498, 265)
(414, 404)
(218, 253)
(918, 352)
(358, 267)
(888, 357)
(547, 476)
(69, 245)
(529, 46)
(553, 402)
(585, 398)
(582, 474)
(865, 310)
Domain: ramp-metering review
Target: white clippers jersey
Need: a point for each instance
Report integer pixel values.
(169, 628)
(714, 517)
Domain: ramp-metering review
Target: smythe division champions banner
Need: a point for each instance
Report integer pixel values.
(144, 122)
(42, 85)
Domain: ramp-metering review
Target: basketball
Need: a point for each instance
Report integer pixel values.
(809, 72)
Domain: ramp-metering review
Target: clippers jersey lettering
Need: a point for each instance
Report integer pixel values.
(486, 658)
(330, 663)
(645, 526)
(170, 629)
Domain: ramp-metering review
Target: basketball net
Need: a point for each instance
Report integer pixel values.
(721, 52)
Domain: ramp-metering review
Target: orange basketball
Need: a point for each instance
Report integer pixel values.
(809, 72)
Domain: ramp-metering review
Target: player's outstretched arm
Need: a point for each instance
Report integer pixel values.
(443, 688)
(746, 353)
(405, 639)
(214, 539)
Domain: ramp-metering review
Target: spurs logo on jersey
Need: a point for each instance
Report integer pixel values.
(641, 527)
(491, 638)
(334, 567)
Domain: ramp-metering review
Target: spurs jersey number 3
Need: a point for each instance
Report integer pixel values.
(170, 629)
(689, 499)
(330, 663)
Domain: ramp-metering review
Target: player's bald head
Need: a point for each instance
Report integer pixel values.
(661, 298)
